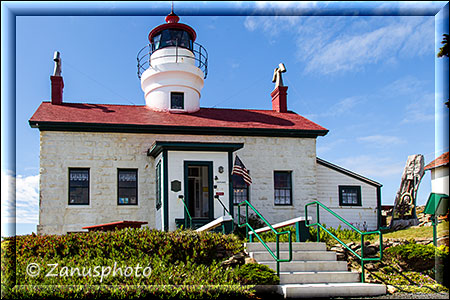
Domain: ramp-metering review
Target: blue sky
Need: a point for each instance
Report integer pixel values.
(370, 80)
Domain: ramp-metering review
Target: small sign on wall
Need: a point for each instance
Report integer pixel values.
(175, 186)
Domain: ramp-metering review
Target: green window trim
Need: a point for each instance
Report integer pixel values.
(347, 189)
(158, 186)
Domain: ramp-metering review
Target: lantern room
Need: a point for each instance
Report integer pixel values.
(172, 68)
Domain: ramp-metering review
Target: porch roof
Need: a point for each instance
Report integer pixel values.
(159, 146)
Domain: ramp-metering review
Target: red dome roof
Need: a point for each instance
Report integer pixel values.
(172, 23)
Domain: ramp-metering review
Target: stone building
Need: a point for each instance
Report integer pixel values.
(106, 163)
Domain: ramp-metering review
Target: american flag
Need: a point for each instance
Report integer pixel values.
(239, 169)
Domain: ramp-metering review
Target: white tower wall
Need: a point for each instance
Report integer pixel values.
(172, 70)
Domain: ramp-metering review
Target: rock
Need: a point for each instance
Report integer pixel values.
(250, 260)
(340, 256)
(337, 249)
(370, 250)
(391, 289)
(443, 241)
(238, 258)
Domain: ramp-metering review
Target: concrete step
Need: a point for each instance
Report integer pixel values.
(251, 247)
(296, 255)
(305, 266)
(327, 290)
(319, 277)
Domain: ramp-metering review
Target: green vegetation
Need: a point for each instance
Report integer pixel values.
(413, 268)
(155, 264)
(256, 274)
(414, 257)
(417, 232)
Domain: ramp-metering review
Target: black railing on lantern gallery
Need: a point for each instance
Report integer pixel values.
(144, 57)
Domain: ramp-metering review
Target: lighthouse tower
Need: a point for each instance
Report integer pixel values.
(172, 68)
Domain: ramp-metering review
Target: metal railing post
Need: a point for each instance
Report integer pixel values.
(278, 255)
(297, 231)
(362, 259)
(246, 221)
(318, 222)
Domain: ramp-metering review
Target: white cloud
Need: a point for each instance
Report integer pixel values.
(26, 198)
(382, 140)
(421, 110)
(372, 166)
(407, 86)
(330, 45)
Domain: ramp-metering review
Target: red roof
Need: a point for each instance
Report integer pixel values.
(109, 114)
(440, 161)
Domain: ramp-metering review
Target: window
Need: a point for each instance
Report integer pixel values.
(127, 186)
(158, 186)
(283, 187)
(78, 186)
(172, 37)
(350, 195)
(176, 100)
(240, 189)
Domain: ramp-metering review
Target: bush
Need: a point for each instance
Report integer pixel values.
(182, 264)
(256, 274)
(254, 221)
(414, 257)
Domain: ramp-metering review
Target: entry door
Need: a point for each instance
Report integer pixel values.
(199, 189)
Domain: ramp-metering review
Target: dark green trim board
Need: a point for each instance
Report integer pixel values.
(166, 189)
(378, 208)
(158, 146)
(192, 130)
(209, 164)
(158, 186)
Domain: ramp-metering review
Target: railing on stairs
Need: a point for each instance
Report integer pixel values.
(181, 197)
(361, 257)
(277, 234)
(211, 225)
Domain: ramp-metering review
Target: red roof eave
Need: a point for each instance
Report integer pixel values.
(140, 115)
(442, 160)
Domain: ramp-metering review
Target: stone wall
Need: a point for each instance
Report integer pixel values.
(103, 153)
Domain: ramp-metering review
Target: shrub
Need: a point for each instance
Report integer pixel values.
(414, 257)
(184, 264)
(256, 274)
(254, 221)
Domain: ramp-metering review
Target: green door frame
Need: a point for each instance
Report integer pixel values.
(209, 164)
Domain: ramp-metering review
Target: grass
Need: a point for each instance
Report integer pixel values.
(417, 232)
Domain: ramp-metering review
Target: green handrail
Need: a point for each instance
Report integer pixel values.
(277, 234)
(187, 212)
(361, 257)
